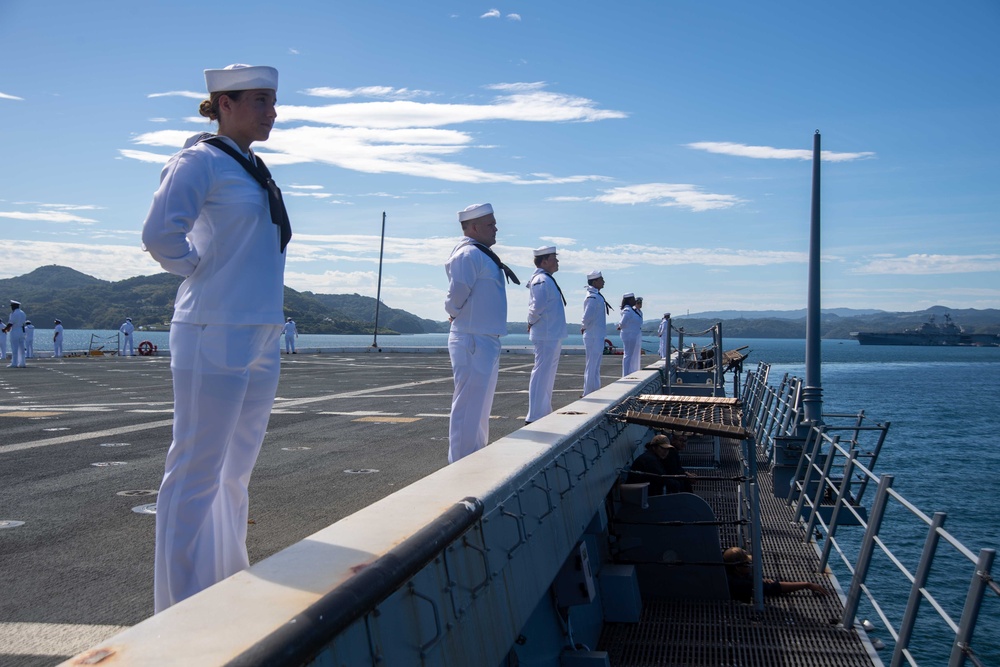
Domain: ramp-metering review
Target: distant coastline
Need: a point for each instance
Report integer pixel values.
(84, 302)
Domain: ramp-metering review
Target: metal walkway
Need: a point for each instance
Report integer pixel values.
(794, 630)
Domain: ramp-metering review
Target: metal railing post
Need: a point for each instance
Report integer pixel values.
(919, 580)
(820, 487)
(970, 613)
(867, 548)
(845, 487)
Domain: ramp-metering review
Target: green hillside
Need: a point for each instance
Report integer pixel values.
(85, 302)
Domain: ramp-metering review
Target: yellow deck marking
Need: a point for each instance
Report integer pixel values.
(30, 413)
(388, 420)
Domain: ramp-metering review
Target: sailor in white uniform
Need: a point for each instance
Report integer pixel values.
(546, 329)
(127, 329)
(29, 339)
(290, 334)
(218, 220)
(630, 325)
(57, 339)
(594, 327)
(16, 321)
(663, 331)
(477, 308)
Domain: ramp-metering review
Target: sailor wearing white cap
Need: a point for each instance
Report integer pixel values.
(663, 331)
(57, 338)
(29, 340)
(127, 329)
(16, 322)
(594, 329)
(290, 332)
(477, 308)
(218, 220)
(546, 329)
(630, 326)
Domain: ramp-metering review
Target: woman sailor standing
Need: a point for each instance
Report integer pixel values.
(630, 326)
(211, 222)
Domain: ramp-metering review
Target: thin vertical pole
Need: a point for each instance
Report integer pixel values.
(812, 396)
(378, 293)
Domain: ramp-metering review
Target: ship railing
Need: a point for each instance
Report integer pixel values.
(936, 539)
(704, 366)
(101, 345)
(834, 472)
(416, 578)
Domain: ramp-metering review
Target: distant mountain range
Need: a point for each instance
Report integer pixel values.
(85, 302)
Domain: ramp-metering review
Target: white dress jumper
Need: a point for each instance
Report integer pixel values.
(210, 222)
(594, 325)
(547, 322)
(631, 332)
(477, 302)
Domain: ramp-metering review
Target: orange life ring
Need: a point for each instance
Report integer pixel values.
(147, 349)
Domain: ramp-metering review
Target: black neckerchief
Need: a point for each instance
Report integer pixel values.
(496, 260)
(554, 283)
(260, 173)
(607, 306)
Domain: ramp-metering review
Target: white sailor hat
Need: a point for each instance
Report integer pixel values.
(475, 211)
(594, 275)
(547, 250)
(241, 77)
(288, 319)
(57, 322)
(15, 303)
(627, 295)
(128, 319)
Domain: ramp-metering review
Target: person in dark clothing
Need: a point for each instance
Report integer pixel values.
(649, 467)
(739, 574)
(672, 462)
(660, 458)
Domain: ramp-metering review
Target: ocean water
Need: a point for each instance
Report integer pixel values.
(943, 404)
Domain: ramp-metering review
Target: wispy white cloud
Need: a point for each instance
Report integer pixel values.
(144, 156)
(293, 52)
(5, 96)
(770, 153)
(159, 120)
(306, 187)
(662, 194)
(404, 136)
(367, 91)
(104, 261)
(513, 17)
(57, 213)
(492, 14)
(180, 93)
(918, 264)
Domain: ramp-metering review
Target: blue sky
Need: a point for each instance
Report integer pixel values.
(665, 143)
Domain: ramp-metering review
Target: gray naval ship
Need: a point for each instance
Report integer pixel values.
(930, 332)
(536, 550)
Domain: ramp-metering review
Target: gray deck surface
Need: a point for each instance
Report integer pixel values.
(795, 630)
(81, 566)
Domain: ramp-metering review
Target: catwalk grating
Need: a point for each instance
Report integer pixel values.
(797, 630)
